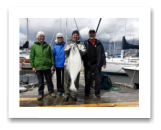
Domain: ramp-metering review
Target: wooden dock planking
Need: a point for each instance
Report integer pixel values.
(116, 104)
(28, 99)
(120, 104)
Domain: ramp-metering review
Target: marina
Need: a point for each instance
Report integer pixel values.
(121, 67)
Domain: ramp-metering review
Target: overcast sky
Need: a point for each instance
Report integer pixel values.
(111, 29)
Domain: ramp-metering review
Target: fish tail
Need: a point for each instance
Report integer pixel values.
(72, 87)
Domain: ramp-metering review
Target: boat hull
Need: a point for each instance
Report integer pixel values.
(25, 65)
(115, 67)
(24, 60)
(130, 73)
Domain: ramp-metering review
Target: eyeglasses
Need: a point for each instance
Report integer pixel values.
(60, 37)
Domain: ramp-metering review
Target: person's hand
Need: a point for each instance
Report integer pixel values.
(104, 66)
(52, 68)
(72, 44)
(33, 69)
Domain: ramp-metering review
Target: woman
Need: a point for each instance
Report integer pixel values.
(42, 62)
(59, 57)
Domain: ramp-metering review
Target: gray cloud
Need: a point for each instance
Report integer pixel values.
(111, 29)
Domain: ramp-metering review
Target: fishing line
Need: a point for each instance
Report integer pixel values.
(133, 75)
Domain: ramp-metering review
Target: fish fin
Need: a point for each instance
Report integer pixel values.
(72, 87)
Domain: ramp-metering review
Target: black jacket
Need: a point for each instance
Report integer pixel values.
(101, 59)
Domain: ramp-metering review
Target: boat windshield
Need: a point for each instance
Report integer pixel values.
(23, 52)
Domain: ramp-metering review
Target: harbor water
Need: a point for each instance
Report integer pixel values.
(27, 76)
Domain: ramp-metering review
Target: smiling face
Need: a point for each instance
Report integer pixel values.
(60, 38)
(75, 36)
(92, 35)
(41, 38)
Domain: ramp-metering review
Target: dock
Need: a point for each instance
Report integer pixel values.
(126, 97)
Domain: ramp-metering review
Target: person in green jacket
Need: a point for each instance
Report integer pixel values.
(42, 62)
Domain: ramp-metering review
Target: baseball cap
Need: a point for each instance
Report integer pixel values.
(92, 30)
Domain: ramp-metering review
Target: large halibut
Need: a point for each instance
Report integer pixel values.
(74, 65)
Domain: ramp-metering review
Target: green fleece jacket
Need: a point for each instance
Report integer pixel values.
(41, 56)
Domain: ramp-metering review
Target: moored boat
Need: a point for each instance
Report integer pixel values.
(133, 73)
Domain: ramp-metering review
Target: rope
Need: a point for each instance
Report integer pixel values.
(133, 75)
(61, 101)
(113, 88)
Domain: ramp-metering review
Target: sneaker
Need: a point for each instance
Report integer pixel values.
(39, 97)
(63, 94)
(98, 96)
(66, 98)
(86, 95)
(53, 95)
(74, 98)
(58, 94)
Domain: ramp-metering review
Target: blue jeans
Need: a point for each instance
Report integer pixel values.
(48, 77)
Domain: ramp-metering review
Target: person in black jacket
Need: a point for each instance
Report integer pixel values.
(93, 61)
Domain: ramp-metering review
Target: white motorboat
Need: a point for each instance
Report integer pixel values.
(23, 55)
(133, 73)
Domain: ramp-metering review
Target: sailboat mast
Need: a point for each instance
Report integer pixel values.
(27, 34)
(125, 27)
(60, 25)
(66, 30)
(114, 49)
(27, 30)
(123, 51)
(35, 36)
(78, 30)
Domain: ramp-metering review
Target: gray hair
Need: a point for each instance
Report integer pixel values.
(58, 34)
(40, 33)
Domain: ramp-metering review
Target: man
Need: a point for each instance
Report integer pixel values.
(67, 80)
(93, 61)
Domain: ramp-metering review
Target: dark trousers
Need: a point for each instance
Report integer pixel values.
(60, 79)
(48, 77)
(88, 79)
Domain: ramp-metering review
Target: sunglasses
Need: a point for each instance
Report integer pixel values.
(60, 37)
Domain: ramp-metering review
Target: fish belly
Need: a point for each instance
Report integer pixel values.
(74, 67)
